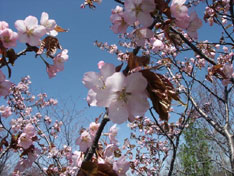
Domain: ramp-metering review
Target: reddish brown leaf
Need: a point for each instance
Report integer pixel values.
(94, 169)
(50, 44)
(105, 170)
(135, 61)
(161, 93)
(88, 168)
(60, 29)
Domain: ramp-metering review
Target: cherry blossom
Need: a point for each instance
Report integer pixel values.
(157, 45)
(5, 85)
(25, 163)
(3, 25)
(228, 72)
(24, 141)
(29, 130)
(139, 10)
(58, 64)
(125, 97)
(49, 24)
(109, 150)
(194, 25)
(5, 111)
(112, 134)
(180, 12)
(51, 70)
(8, 38)
(60, 59)
(121, 166)
(84, 141)
(29, 31)
(95, 82)
(93, 127)
(118, 20)
(140, 35)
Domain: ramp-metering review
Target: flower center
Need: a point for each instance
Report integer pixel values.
(6, 39)
(122, 95)
(29, 32)
(137, 9)
(85, 139)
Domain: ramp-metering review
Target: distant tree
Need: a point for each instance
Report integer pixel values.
(194, 155)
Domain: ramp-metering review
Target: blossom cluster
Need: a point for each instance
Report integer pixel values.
(139, 13)
(29, 31)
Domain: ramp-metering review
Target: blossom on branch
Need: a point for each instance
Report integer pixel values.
(5, 85)
(58, 65)
(84, 141)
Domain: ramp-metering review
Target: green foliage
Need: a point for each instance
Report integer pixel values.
(194, 155)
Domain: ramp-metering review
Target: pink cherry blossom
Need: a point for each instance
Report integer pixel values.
(95, 82)
(8, 38)
(49, 24)
(51, 70)
(77, 158)
(112, 134)
(100, 64)
(58, 64)
(24, 141)
(194, 25)
(29, 130)
(3, 25)
(124, 96)
(141, 35)
(139, 10)
(60, 59)
(109, 150)
(180, 12)
(29, 31)
(228, 72)
(157, 45)
(25, 163)
(93, 127)
(5, 111)
(121, 166)
(84, 141)
(5, 85)
(118, 20)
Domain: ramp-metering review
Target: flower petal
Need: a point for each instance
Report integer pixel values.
(31, 22)
(136, 83)
(116, 82)
(138, 104)
(92, 80)
(20, 26)
(118, 112)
